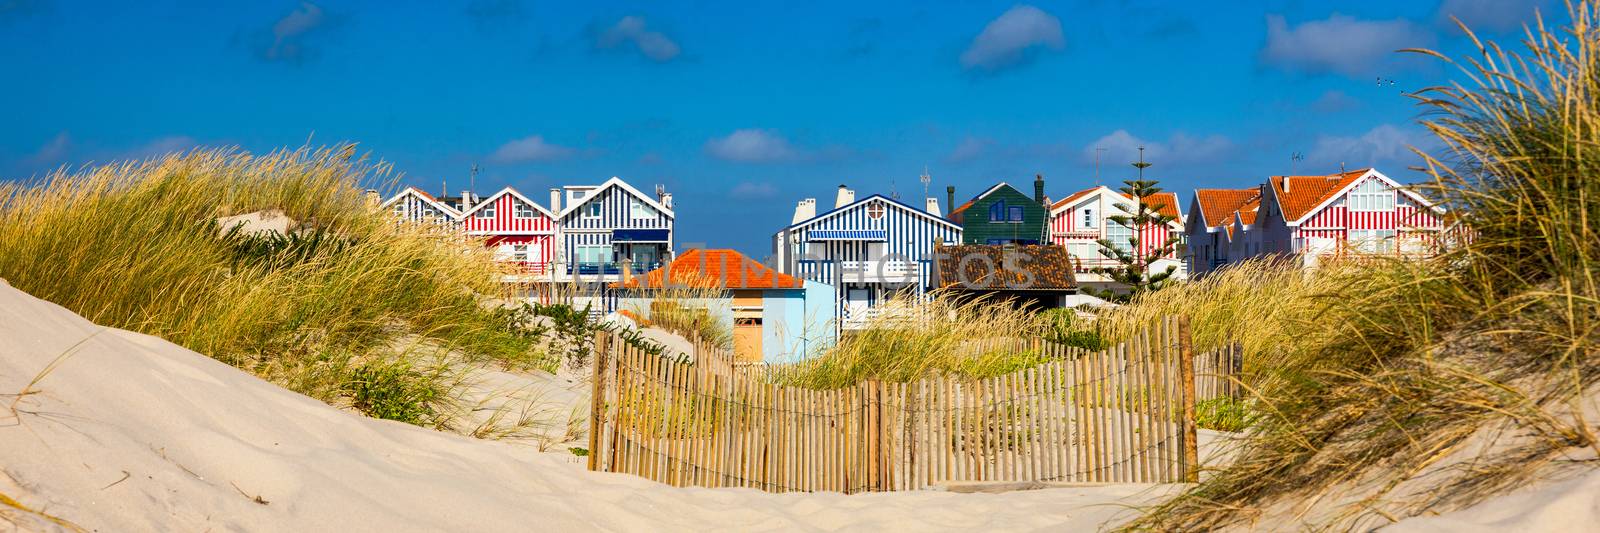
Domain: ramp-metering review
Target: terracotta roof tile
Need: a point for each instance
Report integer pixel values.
(1074, 196)
(1166, 203)
(1050, 266)
(1307, 192)
(1218, 205)
(719, 268)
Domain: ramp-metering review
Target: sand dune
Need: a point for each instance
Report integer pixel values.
(132, 433)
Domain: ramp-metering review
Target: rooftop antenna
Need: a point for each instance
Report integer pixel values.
(1141, 165)
(1097, 151)
(444, 187)
(1293, 158)
(472, 180)
(1341, 167)
(892, 192)
(925, 178)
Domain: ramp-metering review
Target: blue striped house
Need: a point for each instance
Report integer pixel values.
(601, 227)
(867, 249)
(417, 206)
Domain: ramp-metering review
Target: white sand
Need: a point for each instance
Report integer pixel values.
(1568, 505)
(132, 433)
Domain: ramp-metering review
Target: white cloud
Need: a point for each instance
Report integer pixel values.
(969, 149)
(52, 151)
(1487, 15)
(287, 33)
(1339, 44)
(1010, 39)
(1122, 147)
(530, 149)
(1384, 146)
(753, 191)
(631, 29)
(751, 146)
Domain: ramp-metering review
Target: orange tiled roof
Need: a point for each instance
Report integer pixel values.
(1074, 196)
(1166, 203)
(1307, 192)
(1218, 205)
(1247, 212)
(720, 268)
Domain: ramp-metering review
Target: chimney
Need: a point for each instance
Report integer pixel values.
(1286, 180)
(845, 197)
(372, 197)
(666, 200)
(555, 199)
(933, 207)
(804, 210)
(467, 200)
(1038, 188)
(950, 196)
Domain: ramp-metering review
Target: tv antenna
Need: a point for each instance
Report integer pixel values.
(1141, 165)
(472, 180)
(1294, 158)
(925, 179)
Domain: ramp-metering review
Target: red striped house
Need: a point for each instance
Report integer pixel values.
(518, 229)
(1361, 212)
(1079, 221)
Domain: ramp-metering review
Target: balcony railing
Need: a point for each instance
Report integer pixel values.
(610, 268)
(879, 270)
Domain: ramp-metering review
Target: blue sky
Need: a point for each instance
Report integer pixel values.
(741, 109)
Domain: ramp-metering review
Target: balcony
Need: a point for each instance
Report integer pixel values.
(897, 271)
(615, 269)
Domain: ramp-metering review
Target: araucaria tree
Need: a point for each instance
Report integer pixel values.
(1134, 262)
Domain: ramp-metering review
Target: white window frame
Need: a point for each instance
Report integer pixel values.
(1088, 217)
(592, 211)
(638, 210)
(1119, 242)
(605, 253)
(1372, 196)
(486, 212)
(522, 210)
(519, 252)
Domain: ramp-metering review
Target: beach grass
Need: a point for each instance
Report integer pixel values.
(137, 245)
(1401, 364)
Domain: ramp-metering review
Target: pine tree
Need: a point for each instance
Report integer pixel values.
(1133, 270)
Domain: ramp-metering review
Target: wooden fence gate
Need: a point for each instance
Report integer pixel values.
(1125, 414)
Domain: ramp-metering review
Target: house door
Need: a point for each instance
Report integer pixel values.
(747, 339)
(857, 301)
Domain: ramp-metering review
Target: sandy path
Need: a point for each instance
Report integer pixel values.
(132, 433)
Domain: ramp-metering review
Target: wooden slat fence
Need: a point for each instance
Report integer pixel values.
(1116, 415)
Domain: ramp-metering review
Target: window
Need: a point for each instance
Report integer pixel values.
(1380, 241)
(486, 212)
(1119, 234)
(638, 209)
(400, 209)
(997, 212)
(519, 253)
(1088, 218)
(594, 254)
(875, 210)
(591, 210)
(1372, 195)
(1015, 214)
(524, 210)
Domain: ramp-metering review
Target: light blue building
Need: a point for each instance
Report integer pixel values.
(773, 317)
(867, 249)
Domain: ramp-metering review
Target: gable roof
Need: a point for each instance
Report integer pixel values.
(1050, 267)
(1218, 205)
(980, 195)
(1075, 196)
(1166, 202)
(719, 268)
(835, 211)
(513, 192)
(419, 193)
(1306, 194)
(615, 182)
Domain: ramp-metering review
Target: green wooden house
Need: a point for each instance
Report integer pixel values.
(1002, 215)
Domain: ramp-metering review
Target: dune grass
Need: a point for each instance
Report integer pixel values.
(913, 336)
(136, 245)
(1397, 364)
